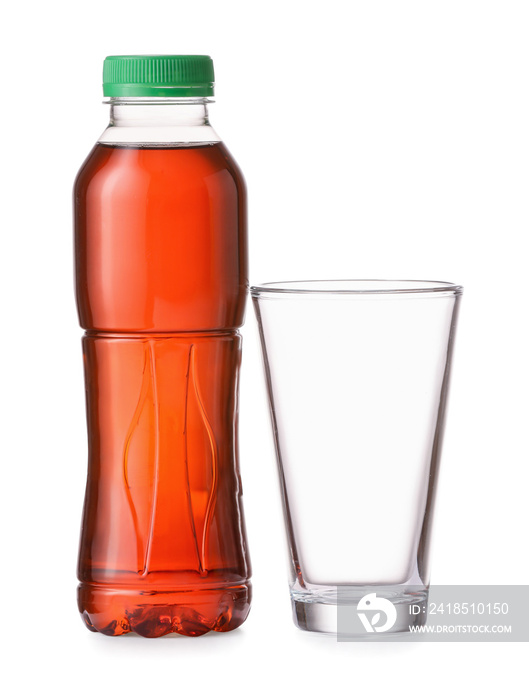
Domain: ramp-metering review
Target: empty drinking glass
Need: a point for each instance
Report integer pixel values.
(357, 374)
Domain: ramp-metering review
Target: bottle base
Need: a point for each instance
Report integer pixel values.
(118, 611)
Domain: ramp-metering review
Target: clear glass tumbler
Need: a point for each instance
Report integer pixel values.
(357, 374)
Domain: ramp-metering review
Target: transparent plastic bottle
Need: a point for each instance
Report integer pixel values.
(161, 281)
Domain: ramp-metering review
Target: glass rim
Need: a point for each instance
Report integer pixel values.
(332, 287)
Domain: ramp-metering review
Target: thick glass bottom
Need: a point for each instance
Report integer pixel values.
(368, 612)
(117, 611)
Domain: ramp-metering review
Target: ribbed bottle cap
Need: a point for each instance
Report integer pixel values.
(158, 76)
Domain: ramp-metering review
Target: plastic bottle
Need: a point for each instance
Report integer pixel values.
(161, 280)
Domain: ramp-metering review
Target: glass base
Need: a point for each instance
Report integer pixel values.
(367, 612)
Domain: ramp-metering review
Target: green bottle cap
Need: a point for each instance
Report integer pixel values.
(158, 76)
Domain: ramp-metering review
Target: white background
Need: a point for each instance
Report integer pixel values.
(378, 139)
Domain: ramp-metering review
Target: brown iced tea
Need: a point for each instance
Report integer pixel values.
(161, 275)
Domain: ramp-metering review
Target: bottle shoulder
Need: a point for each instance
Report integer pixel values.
(170, 134)
(134, 167)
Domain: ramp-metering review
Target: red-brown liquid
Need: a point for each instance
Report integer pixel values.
(161, 272)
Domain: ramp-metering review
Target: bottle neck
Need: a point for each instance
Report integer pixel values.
(159, 120)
